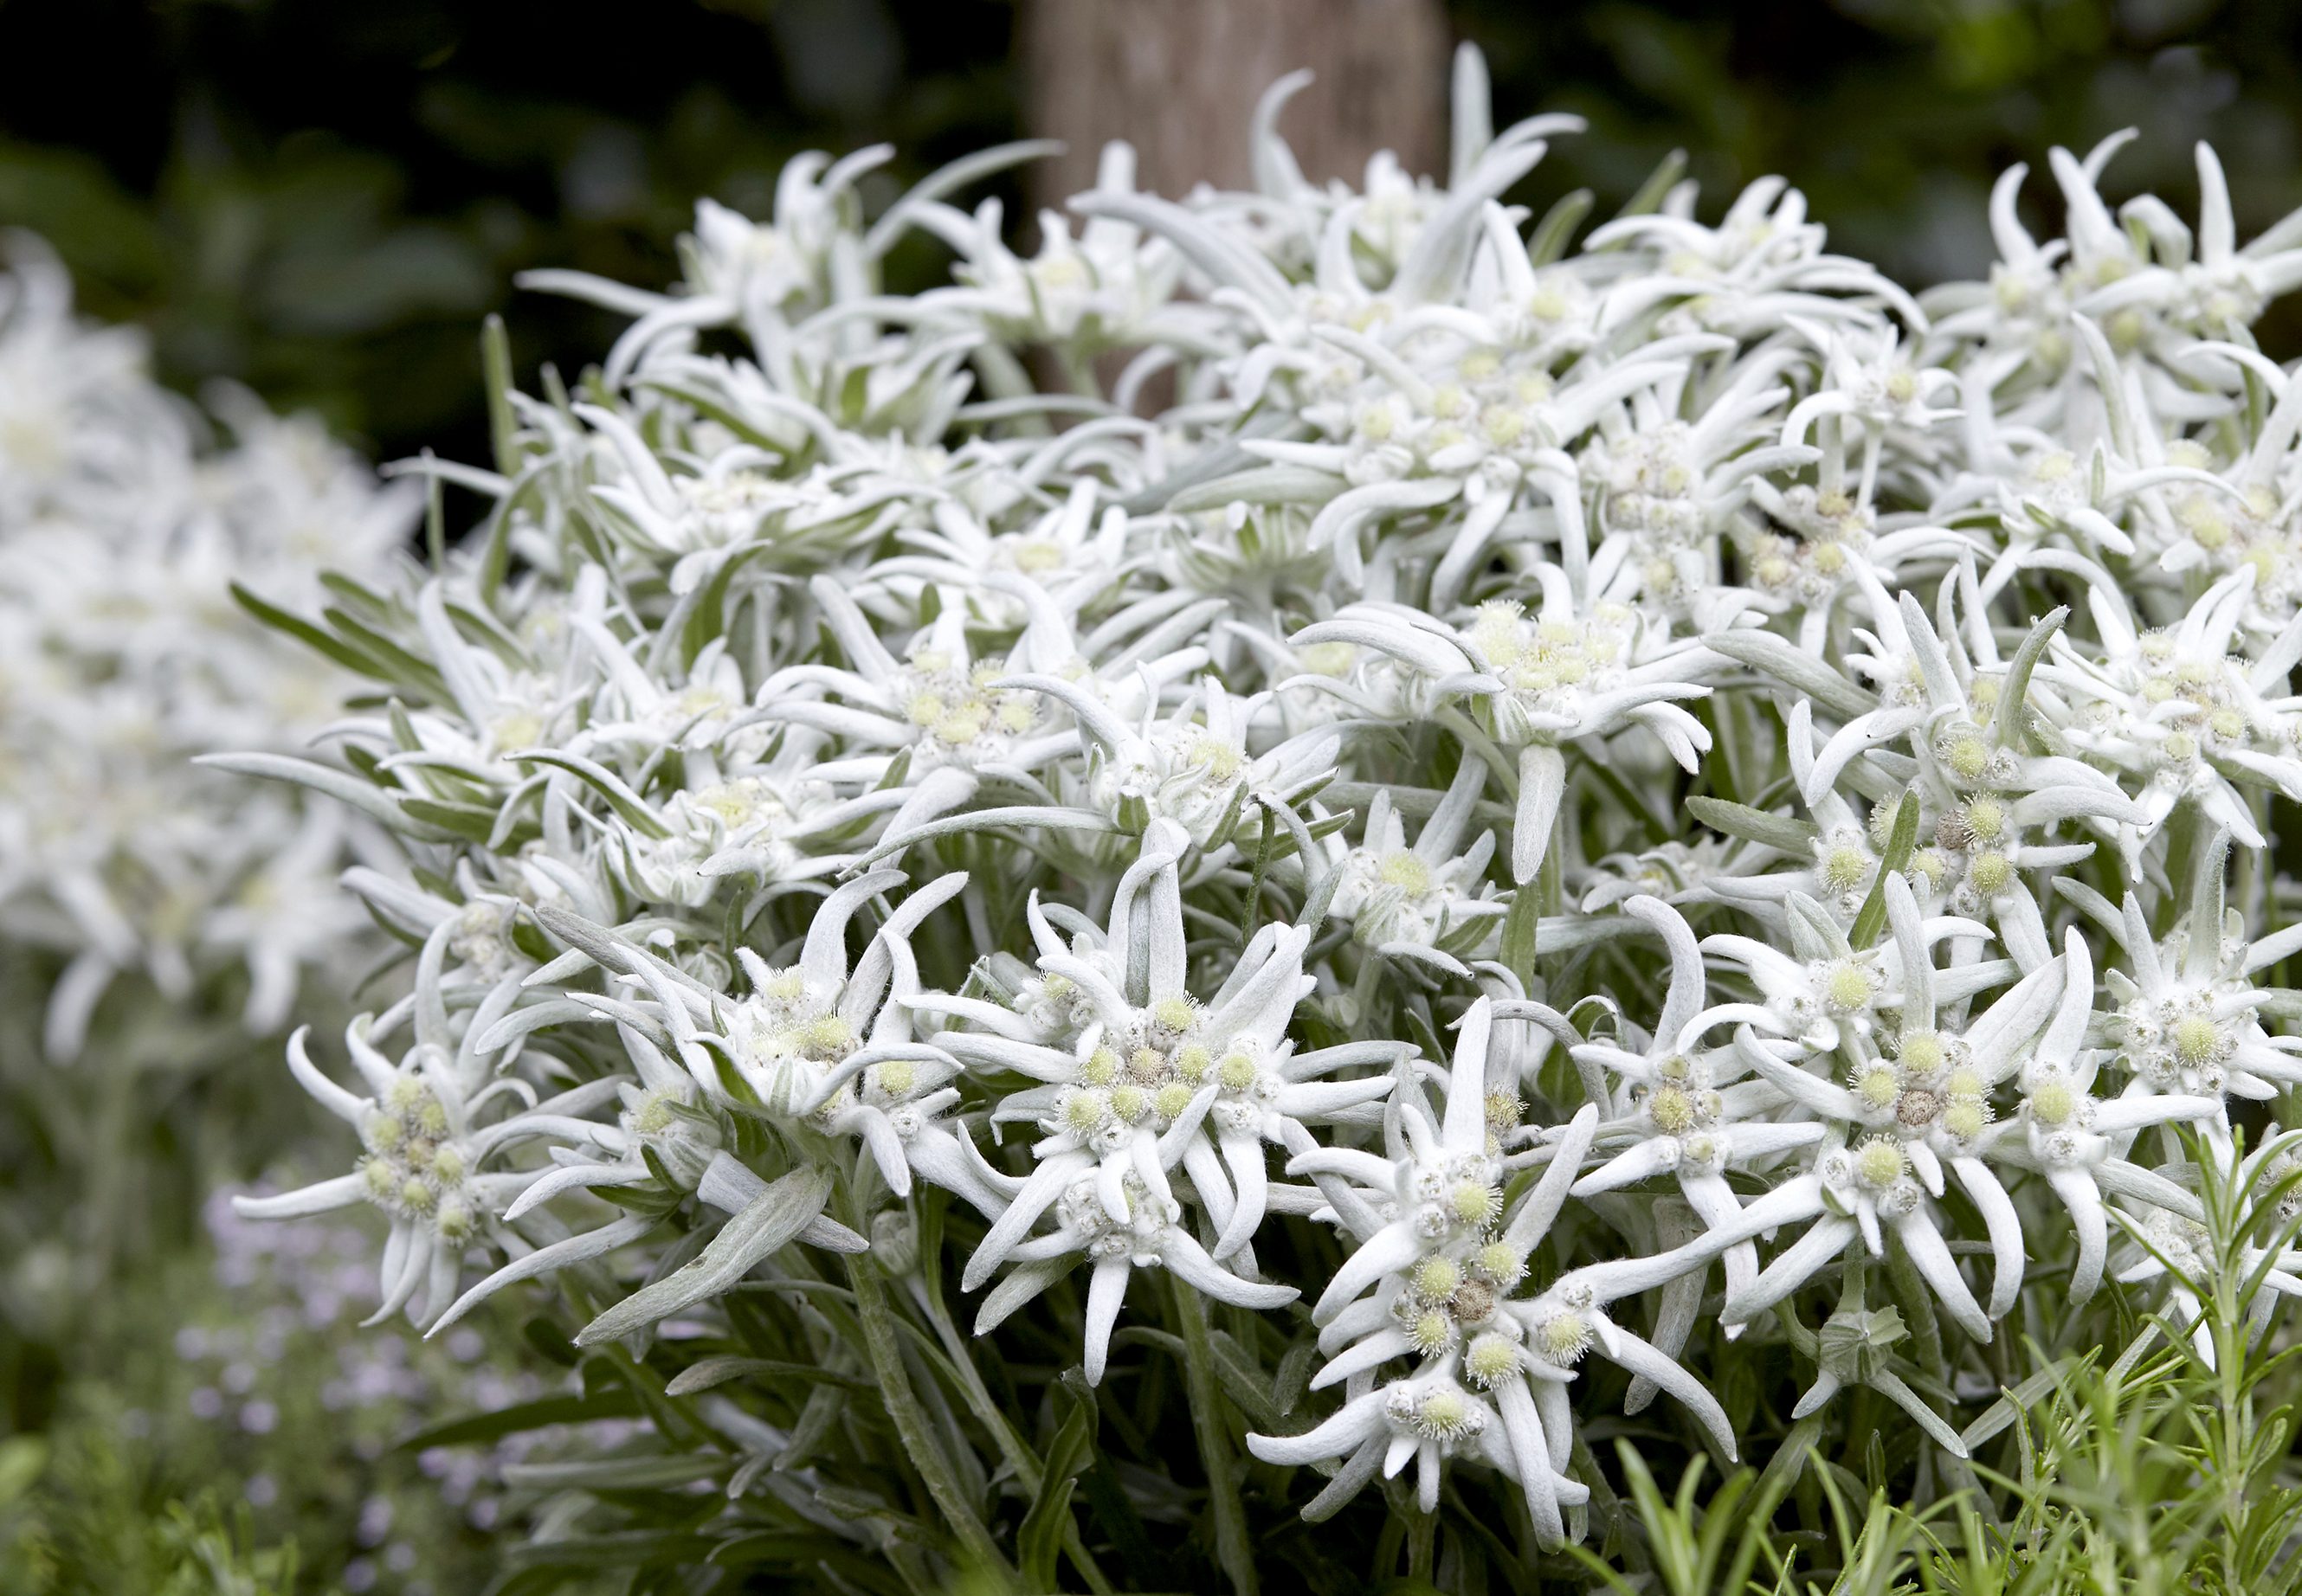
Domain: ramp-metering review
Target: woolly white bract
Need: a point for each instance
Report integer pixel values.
(125, 522)
(1793, 735)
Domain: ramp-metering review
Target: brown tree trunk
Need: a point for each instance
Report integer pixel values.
(1178, 79)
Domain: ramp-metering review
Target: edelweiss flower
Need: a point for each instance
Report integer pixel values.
(2188, 1021)
(1430, 902)
(428, 1131)
(1537, 683)
(1441, 1256)
(1139, 1076)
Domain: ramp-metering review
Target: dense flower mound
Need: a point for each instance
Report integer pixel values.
(126, 520)
(1599, 782)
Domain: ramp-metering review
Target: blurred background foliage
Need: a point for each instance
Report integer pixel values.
(321, 197)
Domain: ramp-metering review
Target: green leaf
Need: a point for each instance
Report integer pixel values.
(621, 1547)
(1659, 184)
(1040, 1540)
(1793, 668)
(655, 1472)
(370, 800)
(495, 367)
(1556, 230)
(1518, 933)
(435, 518)
(767, 1223)
(473, 1428)
(1872, 917)
(705, 1373)
(635, 810)
(825, 1407)
(1263, 485)
(2010, 724)
(314, 637)
(1787, 833)
(550, 1341)
(1244, 1382)
(466, 820)
(394, 663)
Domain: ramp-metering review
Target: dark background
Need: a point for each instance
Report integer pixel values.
(321, 197)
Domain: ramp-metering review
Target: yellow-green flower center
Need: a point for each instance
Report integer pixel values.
(1966, 1117)
(1672, 1109)
(1846, 988)
(1435, 1278)
(1843, 867)
(1491, 1357)
(1966, 757)
(1499, 1264)
(1432, 1332)
(1175, 1013)
(2053, 1103)
(1880, 1162)
(1991, 874)
(2195, 1039)
(1406, 872)
(1564, 1337)
(1473, 1204)
(1444, 1412)
(1877, 1086)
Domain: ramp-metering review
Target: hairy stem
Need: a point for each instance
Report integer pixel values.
(1013, 1448)
(887, 1354)
(1233, 1549)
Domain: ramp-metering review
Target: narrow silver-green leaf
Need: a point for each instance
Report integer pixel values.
(365, 796)
(1785, 832)
(635, 809)
(2010, 725)
(767, 1223)
(1901, 842)
(1793, 668)
(1265, 484)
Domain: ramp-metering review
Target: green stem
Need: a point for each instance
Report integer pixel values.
(1918, 1310)
(887, 1354)
(1017, 1453)
(1233, 1550)
(1608, 1518)
(1783, 1468)
(1422, 1544)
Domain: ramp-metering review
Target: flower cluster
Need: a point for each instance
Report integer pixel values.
(125, 525)
(1794, 735)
